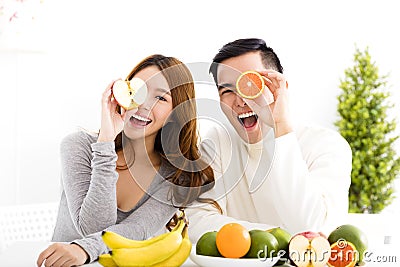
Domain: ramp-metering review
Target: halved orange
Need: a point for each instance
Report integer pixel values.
(250, 84)
(343, 254)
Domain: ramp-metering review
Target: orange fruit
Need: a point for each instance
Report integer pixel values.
(233, 240)
(250, 84)
(343, 254)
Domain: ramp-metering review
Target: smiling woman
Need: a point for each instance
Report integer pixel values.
(121, 179)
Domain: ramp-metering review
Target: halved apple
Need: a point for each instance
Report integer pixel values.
(130, 94)
(309, 250)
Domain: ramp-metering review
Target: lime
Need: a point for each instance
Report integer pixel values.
(352, 234)
(263, 244)
(283, 237)
(207, 246)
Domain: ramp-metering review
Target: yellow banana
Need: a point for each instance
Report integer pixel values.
(151, 254)
(115, 241)
(179, 257)
(107, 261)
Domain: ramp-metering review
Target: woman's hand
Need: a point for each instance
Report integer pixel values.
(60, 254)
(277, 114)
(112, 122)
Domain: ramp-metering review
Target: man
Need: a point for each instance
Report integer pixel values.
(269, 172)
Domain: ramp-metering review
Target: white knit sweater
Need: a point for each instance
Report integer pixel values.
(298, 181)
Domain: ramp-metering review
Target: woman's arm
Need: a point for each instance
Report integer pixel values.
(89, 179)
(145, 222)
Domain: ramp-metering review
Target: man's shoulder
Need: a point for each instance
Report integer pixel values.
(311, 134)
(314, 129)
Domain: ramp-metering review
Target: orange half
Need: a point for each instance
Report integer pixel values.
(250, 84)
(343, 254)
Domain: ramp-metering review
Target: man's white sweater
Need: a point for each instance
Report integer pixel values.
(298, 181)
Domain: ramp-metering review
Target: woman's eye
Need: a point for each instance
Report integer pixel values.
(161, 98)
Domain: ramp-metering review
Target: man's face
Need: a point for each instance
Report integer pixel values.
(240, 115)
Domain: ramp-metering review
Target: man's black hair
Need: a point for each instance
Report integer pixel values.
(242, 46)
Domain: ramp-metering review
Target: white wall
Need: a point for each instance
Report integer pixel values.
(83, 45)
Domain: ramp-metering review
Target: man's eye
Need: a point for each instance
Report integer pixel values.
(161, 98)
(227, 91)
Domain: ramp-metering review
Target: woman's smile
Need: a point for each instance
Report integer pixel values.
(139, 121)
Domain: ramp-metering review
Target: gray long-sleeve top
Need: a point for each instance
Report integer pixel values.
(88, 202)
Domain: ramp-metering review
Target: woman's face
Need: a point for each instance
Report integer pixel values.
(150, 117)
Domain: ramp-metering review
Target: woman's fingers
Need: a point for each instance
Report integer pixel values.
(110, 85)
(58, 255)
(107, 94)
(44, 255)
(68, 263)
(123, 113)
(113, 105)
(106, 97)
(54, 257)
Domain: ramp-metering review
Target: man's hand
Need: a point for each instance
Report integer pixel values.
(274, 114)
(59, 254)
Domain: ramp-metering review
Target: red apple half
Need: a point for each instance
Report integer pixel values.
(309, 249)
(130, 94)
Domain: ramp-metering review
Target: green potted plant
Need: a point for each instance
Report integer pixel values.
(364, 123)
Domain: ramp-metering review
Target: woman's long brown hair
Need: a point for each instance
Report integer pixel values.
(192, 175)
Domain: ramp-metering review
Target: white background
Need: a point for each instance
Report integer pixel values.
(51, 83)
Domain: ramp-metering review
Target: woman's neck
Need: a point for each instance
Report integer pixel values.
(141, 152)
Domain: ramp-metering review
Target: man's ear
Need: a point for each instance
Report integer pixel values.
(287, 85)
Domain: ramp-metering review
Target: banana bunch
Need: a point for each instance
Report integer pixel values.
(166, 250)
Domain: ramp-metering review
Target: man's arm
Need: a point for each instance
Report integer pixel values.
(310, 183)
(205, 217)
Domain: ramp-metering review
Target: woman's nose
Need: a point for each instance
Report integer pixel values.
(147, 104)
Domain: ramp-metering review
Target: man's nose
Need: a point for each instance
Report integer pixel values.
(240, 102)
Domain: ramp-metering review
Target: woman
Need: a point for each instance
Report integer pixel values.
(130, 176)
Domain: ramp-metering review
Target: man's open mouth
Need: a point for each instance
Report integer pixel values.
(139, 120)
(248, 119)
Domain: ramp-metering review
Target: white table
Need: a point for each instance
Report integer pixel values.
(25, 254)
